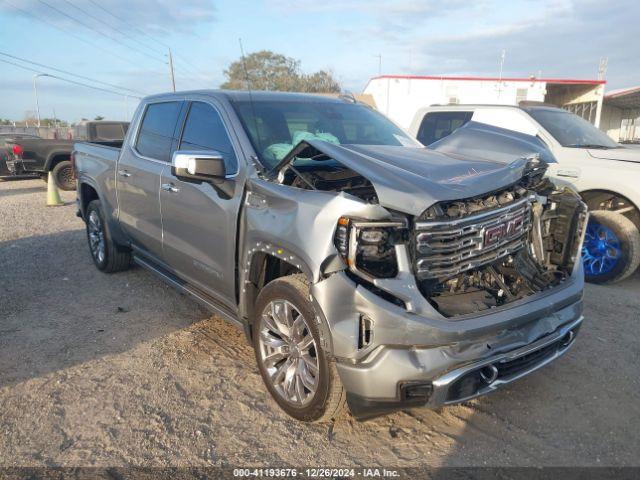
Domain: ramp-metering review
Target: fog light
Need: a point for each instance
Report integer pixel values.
(415, 392)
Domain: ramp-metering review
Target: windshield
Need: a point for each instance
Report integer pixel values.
(570, 130)
(275, 127)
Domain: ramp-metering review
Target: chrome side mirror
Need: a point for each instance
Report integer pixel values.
(205, 165)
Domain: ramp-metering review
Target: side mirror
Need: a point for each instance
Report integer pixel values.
(198, 165)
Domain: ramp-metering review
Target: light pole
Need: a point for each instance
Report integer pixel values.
(35, 90)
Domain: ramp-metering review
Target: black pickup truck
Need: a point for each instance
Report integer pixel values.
(39, 156)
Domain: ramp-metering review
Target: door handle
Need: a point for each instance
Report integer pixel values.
(124, 173)
(169, 187)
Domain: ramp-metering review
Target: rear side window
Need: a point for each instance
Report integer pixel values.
(109, 131)
(156, 132)
(204, 130)
(437, 125)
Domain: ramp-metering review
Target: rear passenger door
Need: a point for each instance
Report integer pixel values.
(437, 125)
(200, 218)
(138, 175)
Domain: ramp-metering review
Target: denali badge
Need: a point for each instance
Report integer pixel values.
(495, 234)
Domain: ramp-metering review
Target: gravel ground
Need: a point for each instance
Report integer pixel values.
(117, 370)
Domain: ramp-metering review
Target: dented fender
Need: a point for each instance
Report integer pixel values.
(294, 225)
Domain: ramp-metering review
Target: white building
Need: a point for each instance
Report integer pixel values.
(621, 114)
(400, 96)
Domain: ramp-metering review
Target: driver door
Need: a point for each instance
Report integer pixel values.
(199, 218)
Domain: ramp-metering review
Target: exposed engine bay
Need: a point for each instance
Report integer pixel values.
(467, 255)
(502, 247)
(319, 171)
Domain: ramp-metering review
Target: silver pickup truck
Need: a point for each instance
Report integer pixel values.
(365, 269)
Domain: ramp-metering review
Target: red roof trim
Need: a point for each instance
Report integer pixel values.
(495, 79)
(622, 93)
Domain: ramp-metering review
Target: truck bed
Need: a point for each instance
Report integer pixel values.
(104, 152)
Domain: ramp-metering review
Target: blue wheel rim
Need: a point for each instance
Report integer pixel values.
(601, 250)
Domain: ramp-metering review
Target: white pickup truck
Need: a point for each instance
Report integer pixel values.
(605, 173)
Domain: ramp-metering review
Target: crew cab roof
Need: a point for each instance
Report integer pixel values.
(255, 96)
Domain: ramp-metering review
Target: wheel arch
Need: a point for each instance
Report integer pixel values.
(86, 193)
(264, 264)
(593, 197)
(55, 158)
(262, 267)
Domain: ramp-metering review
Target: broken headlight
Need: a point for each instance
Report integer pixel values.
(368, 247)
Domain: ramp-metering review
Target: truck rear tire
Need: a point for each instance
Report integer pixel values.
(611, 250)
(107, 256)
(295, 368)
(63, 175)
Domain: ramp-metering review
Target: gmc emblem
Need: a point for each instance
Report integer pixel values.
(493, 235)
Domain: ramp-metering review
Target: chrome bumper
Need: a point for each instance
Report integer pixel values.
(461, 383)
(499, 370)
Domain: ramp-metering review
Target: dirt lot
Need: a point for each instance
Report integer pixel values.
(115, 370)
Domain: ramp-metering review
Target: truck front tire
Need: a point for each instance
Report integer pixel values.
(611, 250)
(63, 176)
(294, 366)
(107, 256)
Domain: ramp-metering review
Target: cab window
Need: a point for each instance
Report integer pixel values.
(204, 130)
(157, 130)
(437, 125)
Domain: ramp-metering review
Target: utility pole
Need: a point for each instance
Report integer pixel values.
(173, 78)
(379, 56)
(602, 73)
(602, 68)
(502, 57)
(35, 91)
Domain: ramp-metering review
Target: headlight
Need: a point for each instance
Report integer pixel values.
(368, 248)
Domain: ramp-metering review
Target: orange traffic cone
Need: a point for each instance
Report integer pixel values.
(53, 195)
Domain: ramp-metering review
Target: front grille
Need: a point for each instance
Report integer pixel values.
(446, 248)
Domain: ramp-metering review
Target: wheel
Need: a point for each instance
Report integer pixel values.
(611, 249)
(294, 366)
(63, 175)
(107, 256)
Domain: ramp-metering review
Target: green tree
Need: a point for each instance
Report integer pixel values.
(321, 82)
(267, 70)
(99, 117)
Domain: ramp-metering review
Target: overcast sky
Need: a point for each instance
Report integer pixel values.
(555, 38)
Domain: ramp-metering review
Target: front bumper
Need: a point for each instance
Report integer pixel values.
(427, 360)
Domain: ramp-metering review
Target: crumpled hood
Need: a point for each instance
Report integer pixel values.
(623, 154)
(410, 180)
(473, 160)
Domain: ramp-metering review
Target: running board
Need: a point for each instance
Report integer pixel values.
(184, 287)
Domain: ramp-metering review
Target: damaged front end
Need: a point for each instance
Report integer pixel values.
(466, 255)
(481, 253)
(435, 276)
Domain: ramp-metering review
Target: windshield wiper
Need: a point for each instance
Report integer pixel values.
(589, 145)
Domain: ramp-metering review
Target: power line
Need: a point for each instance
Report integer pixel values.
(69, 73)
(142, 32)
(120, 94)
(103, 24)
(91, 43)
(53, 25)
(121, 32)
(98, 32)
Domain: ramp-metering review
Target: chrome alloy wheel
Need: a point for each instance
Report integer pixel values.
(96, 237)
(288, 352)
